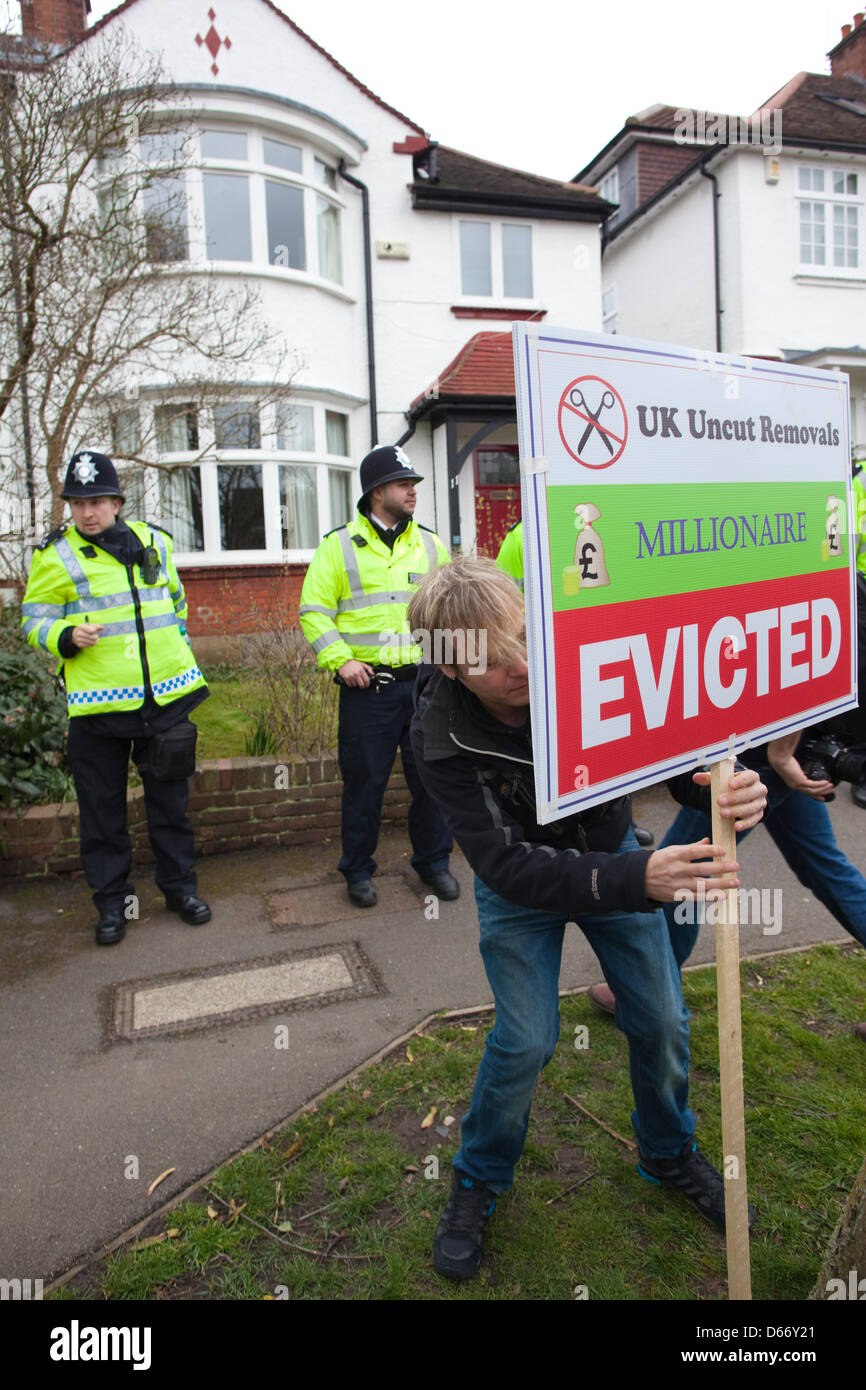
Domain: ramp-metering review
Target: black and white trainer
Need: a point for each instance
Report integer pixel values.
(458, 1246)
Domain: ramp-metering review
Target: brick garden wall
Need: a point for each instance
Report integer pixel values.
(226, 599)
(234, 805)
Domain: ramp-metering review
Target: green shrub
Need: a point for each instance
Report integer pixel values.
(32, 721)
(261, 742)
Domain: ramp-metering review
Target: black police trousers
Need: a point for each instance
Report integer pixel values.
(373, 725)
(100, 766)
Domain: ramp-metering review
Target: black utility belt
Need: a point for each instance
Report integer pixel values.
(384, 675)
(398, 673)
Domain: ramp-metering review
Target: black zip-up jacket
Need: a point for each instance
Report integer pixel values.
(480, 774)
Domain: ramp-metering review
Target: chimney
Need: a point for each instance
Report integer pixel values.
(848, 58)
(56, 22)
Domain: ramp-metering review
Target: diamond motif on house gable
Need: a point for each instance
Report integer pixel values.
(212, 42)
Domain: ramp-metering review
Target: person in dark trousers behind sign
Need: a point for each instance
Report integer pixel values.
(473, 745)
(800, 825)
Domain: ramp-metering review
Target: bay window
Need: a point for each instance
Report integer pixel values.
(299, 510)
(176, 427)
(295, 428)
(227, 217)
(267, 482)
(282, 156)
(285, 211)
(236, 426)
(282, 209)
(288, 194)
(126, 433)
(339, 496)
(336, 433)
(242, 506)
(180, 506)
(164, 205)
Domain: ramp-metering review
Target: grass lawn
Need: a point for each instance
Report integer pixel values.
(346, 1200)
(228, 715)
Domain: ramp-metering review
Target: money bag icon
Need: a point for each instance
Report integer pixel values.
(831, 546)
(589, 570)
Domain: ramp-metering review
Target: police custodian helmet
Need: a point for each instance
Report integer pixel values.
(387, 464)
(91, 475)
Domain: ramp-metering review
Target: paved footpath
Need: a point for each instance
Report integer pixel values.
(181, 1045)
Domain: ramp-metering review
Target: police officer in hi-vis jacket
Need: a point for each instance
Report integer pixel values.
(353, 612)
(105, 598)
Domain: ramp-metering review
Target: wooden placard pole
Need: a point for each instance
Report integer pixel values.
(731, 1056)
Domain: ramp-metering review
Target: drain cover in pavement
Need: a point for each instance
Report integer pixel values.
(328, 902)
(239, 993)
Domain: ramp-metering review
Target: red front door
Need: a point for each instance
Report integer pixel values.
(497, 496)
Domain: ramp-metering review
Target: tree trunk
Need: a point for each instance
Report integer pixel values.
(845, 1261)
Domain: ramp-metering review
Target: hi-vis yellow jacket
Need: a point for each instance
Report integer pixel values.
(144, 639)
(860, 517)
(510, 557)
(356, 592)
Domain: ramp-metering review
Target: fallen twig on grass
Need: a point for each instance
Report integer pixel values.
(300, 1219)
(291, 1244)
(396, 1094)
(550, 1201)
(629, 1143)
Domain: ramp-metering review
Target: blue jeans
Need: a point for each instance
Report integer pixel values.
(521, 949)
(802, 829)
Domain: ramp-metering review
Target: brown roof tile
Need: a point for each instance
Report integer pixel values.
(464, 179)
(484, 366)
(828, 109)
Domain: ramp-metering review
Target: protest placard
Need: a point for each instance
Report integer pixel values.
(688, 556)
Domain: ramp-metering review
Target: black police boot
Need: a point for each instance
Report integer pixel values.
(858, 794)
(111, 927)
(444, 885)
(362, 893)
(190, 909)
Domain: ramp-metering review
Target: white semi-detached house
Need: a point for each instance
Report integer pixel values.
(394, 268)
(747, 235)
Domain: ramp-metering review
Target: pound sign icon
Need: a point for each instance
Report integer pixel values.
(587, 551)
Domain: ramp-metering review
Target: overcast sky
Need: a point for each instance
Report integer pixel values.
(544, 85)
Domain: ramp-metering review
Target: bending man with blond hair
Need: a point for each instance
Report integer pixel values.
(472, 740)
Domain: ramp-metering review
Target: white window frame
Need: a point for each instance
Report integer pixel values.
(609, 187)
(497, 296)
(270, 459)
(257, 171)
(829, 200)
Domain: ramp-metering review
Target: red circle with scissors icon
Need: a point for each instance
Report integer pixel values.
(593, 424)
